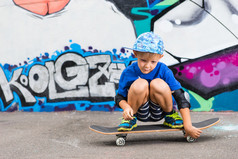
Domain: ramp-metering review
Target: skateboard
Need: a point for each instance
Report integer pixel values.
(121, 135)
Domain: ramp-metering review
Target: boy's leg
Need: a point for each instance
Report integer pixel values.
(137, 96)
(161, 94)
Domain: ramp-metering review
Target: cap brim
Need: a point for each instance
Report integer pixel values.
(127, 48)
(133, 49)
(139, 50)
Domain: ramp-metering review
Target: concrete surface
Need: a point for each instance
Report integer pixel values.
(66, 135)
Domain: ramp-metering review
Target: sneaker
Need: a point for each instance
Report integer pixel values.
(173, 121)
(127, 125)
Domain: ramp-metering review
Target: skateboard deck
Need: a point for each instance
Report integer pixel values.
(121, 135)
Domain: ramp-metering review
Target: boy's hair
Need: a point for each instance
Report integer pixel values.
(147, 54)
(149, 42)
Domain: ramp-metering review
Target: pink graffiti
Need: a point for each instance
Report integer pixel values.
(212, 71)
(234, 59)
(210, 79)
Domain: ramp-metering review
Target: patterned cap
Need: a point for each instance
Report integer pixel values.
(149, 42)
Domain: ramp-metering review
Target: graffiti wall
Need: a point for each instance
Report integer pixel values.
(61, 55)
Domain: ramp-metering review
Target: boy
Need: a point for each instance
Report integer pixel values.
(146, 88)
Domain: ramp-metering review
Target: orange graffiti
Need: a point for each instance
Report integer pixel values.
(42, 7)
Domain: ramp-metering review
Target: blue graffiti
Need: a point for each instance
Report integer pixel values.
(71, 79)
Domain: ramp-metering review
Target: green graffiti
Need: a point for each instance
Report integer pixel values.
(205, 105)
(168, 2)
(144, 25)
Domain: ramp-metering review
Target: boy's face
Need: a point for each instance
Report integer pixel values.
(147, 61)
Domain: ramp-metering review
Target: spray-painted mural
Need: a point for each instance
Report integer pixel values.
(68, 54)
(74, 79)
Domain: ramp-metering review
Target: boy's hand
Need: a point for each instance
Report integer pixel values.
(193, 132)
(128, 113)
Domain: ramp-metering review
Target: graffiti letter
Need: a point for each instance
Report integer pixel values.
(71, 70)
(7, 88)
(38, 78)
(115, 70)
(96, 90)
(53, 94)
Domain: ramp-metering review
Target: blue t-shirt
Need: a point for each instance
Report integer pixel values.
(133, 72)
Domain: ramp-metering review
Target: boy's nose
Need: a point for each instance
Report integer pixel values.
(147, 65)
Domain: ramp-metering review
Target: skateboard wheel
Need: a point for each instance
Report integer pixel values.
(120, 141)
(190, 139)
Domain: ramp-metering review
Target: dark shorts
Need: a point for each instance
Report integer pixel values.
(150, 112)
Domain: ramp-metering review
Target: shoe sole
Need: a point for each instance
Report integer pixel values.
(127, 129)
(173, 126)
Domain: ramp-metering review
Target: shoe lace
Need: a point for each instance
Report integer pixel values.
(175, 116)
(125, 121)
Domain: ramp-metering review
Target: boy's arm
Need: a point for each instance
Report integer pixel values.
(127, 110)
(184, 107)
(122, 103)
(187, 123)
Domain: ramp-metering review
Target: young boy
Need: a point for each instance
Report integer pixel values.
(146, 88)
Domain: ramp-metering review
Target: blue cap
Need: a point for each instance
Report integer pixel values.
(149, 42)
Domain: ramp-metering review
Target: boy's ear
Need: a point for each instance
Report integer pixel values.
(161, 56)
(135, 53)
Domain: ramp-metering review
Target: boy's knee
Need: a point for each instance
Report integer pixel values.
(158, 85)
(139, 86)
